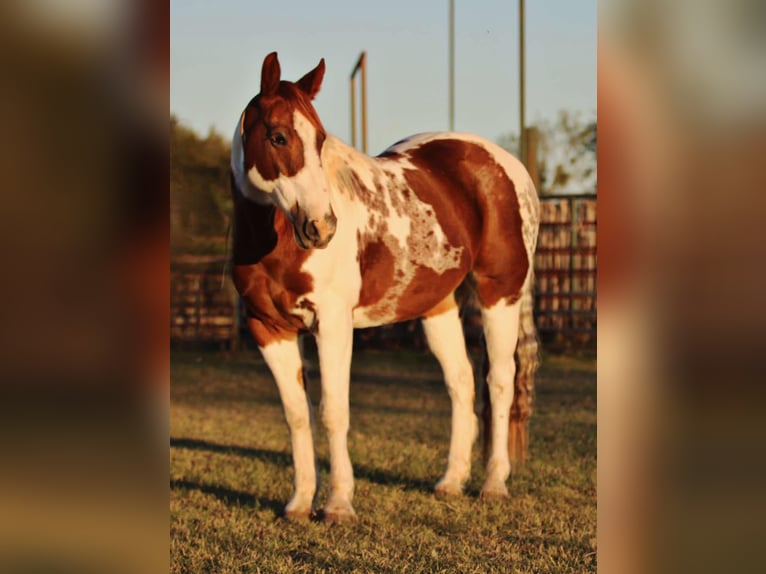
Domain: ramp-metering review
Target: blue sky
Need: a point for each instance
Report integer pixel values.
(217, 48)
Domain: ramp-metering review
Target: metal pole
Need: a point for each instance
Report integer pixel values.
(532, 167)
(452, 65)
(364, 101)
(361, 65)
(522, 138)
(353, 113)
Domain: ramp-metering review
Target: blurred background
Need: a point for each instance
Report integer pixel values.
(682, 110)
(84, 330)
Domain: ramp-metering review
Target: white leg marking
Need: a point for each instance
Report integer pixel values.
(284, 360)
(501, 331)
(334, 344)
(447, 342)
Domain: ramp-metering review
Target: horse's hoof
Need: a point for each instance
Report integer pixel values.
(494, 492)
(298, 515)
(339, 515)
(447, 490)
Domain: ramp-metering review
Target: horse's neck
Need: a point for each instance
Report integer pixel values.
(345, 165)
(336, 152)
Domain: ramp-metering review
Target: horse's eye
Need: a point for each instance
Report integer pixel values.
(278, 139)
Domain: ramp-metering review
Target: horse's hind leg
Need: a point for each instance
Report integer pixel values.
(526, 361)
(445, 338)
(501, 332)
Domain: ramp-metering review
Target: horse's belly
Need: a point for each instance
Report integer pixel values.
(411, 297)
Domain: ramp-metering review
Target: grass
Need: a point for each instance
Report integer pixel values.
(231, 474)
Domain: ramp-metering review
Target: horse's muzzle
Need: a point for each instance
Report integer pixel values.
(315, 233)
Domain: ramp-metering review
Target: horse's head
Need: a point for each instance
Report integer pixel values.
(282, 140)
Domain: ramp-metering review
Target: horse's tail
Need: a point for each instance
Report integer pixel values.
(527, 359)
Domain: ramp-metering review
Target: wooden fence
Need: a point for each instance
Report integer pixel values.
(203, 304)
(565, 272)
(206, 310)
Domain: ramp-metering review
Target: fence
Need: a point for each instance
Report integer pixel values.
(565, 272)
(203, 304)
(204, 311)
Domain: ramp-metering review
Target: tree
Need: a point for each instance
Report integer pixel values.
(200, 199)
(566, 153)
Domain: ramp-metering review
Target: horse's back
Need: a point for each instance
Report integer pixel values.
(461, 142)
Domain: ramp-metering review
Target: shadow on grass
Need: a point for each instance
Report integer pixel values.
(374, 475)
(231, 497)
(270, 456)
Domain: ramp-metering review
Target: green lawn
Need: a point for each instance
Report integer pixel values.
(231, 474)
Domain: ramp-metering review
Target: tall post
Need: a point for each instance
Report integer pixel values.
(522, 74)
(353, 112)
(360, 67)
(452, 65)
(530, 145)
(364, 102)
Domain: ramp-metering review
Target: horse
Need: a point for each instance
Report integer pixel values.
(327, 239)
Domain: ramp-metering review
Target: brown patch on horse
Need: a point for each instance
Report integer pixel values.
(266, 263)
(253, 234)
(475, 204)
(302, 378)
(426, 291)
(377, 265)
(446, 304)
(264, 118)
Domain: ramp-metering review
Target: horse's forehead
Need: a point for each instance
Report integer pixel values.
(279, 109)
(272, 111)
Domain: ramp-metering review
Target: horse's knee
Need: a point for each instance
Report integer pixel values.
(460, 385)
(297, 419)
(500, 384)
(335, 420)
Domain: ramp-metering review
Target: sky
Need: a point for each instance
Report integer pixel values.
(217, 48)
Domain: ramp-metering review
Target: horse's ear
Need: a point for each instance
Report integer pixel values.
(270, 74)
(311, 82)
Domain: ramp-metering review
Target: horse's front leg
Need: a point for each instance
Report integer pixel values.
(283, 357)
(334, 342)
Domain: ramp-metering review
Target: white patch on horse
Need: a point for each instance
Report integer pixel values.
(335, 268)
(310, 181)
(259, 182)
(305, 309)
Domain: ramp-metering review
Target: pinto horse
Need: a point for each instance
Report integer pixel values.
(327, 239)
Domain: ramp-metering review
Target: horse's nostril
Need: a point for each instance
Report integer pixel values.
(313, 230)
